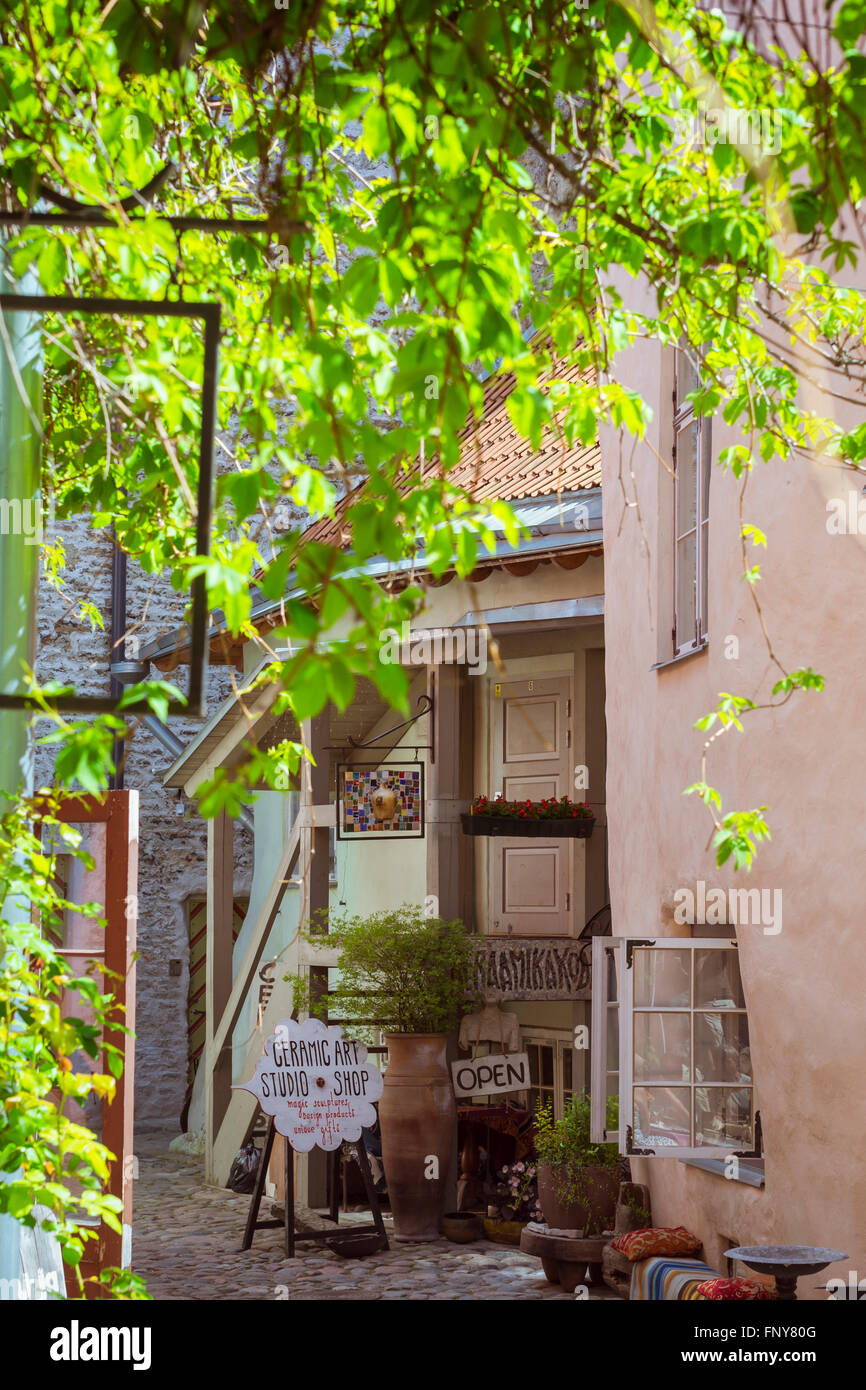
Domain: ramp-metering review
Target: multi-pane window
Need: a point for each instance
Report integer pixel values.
(551, 1077)
(691, 466)
(685, 1083)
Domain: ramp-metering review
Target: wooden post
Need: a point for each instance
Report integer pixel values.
(218, 978)
(449, 851)
(597, 894)
(315, 792)
(121, 912)
(118, 811)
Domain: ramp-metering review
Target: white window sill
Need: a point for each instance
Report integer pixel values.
(751, 1176)
(702, 646)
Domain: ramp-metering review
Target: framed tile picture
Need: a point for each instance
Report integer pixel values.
(380, 801)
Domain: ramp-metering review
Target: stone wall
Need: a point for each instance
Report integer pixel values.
(172, 836)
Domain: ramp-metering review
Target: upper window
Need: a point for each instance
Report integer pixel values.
(691, 467)
(671, 1036)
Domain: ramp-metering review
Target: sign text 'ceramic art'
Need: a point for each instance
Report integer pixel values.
(317, 1084)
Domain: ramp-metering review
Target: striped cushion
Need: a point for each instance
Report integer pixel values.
(668, 1277)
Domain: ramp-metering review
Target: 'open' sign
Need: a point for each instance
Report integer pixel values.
(485, 1076)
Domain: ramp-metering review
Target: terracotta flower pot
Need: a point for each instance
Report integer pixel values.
(418, 1116)
(594, 1206)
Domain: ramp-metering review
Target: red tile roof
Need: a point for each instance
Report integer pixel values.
(496, 462)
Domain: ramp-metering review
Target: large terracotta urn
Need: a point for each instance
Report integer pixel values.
(590, 1194)
(418, 1117)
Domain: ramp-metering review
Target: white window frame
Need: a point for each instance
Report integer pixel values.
(624, 948)
(561, 1042)
(685, 419)
(601, 1005)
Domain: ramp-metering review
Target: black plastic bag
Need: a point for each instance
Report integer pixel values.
(243, 1172)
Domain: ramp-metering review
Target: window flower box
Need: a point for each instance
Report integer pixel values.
(549, 819)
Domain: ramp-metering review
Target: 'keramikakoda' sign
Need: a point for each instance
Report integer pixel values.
(318, 1085)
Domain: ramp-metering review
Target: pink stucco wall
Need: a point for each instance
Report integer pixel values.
(806, 986)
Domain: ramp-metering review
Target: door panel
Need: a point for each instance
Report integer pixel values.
(533, 728)
(530, 788)
(531, 879)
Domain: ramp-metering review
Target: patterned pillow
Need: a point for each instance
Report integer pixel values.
(656, 1240)
(733, 1288)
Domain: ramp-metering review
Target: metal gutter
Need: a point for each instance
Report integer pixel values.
(557, 523)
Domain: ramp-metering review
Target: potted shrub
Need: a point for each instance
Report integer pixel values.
(553, 817)
(412, 974)
(578, 1181)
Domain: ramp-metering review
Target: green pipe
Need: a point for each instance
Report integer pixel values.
(20, 533)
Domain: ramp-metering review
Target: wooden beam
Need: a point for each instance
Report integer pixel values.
(249, 718)
(258, 940)
(317, 779)
(597, 892)
(121, 912)
(118, 810)
(218, 969)
(449, 790)
(449, 851)
(315, 793)
(219, 1041)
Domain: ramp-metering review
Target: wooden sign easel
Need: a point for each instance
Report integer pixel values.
(293, 1236)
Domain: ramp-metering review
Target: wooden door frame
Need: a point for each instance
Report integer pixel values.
(118, 811)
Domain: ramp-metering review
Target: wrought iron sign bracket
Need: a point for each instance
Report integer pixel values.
(427, 704)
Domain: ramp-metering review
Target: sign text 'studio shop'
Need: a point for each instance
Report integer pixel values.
(317, 1084)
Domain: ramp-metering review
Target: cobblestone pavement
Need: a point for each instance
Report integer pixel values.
(187, 1236)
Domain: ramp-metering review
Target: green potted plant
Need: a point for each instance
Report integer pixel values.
(578, 1180)
(551, 818)
(411, 974)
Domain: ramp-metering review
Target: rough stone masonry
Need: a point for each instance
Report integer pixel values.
(172, 846)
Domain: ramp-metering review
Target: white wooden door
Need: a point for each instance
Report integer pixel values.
(530, 892)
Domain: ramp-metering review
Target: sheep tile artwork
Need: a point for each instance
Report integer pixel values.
(381, 802)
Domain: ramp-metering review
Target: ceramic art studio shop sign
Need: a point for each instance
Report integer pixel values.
(317, 1085)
